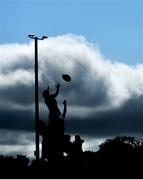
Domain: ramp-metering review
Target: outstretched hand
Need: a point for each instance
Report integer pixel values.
(64, 102)
(58, 85)
(48, 87)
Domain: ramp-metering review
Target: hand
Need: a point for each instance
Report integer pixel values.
(58, 85)
(64, 102)
(48, 87)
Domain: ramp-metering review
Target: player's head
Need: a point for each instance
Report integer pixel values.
(45, 93)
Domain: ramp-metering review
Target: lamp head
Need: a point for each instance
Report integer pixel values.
(44, 37)
(31, 35)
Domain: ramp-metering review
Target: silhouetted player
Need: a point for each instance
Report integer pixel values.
(78, 144)
(51, 103)
(77, 150)
(54, 135)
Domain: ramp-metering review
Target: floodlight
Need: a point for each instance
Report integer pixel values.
(44, 37)
(31, 35)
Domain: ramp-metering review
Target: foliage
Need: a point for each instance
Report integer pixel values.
(116, 158)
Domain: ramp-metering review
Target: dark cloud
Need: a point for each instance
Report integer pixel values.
(17, 119)
(18, 94)
(126, 119)
(14, 137)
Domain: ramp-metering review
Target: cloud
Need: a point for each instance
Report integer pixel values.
(15, 137)
(126, 120)
(104, 97)
(16, 142)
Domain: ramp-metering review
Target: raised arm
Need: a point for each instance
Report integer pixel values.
(57, 91)
(65, 109)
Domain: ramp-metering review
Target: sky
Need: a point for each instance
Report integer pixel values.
(98, 42)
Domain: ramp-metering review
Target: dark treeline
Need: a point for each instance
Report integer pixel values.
(120, 157)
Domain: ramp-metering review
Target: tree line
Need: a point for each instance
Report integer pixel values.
(120, 157)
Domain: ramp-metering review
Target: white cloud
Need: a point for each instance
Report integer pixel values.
(92, 144)
(91, 72)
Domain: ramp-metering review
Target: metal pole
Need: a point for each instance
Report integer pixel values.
(36, 94)
(36, 100)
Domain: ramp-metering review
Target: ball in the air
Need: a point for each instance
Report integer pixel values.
(66, 77)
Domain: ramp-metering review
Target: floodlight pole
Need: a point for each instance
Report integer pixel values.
(36, 100)
(36, 95)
